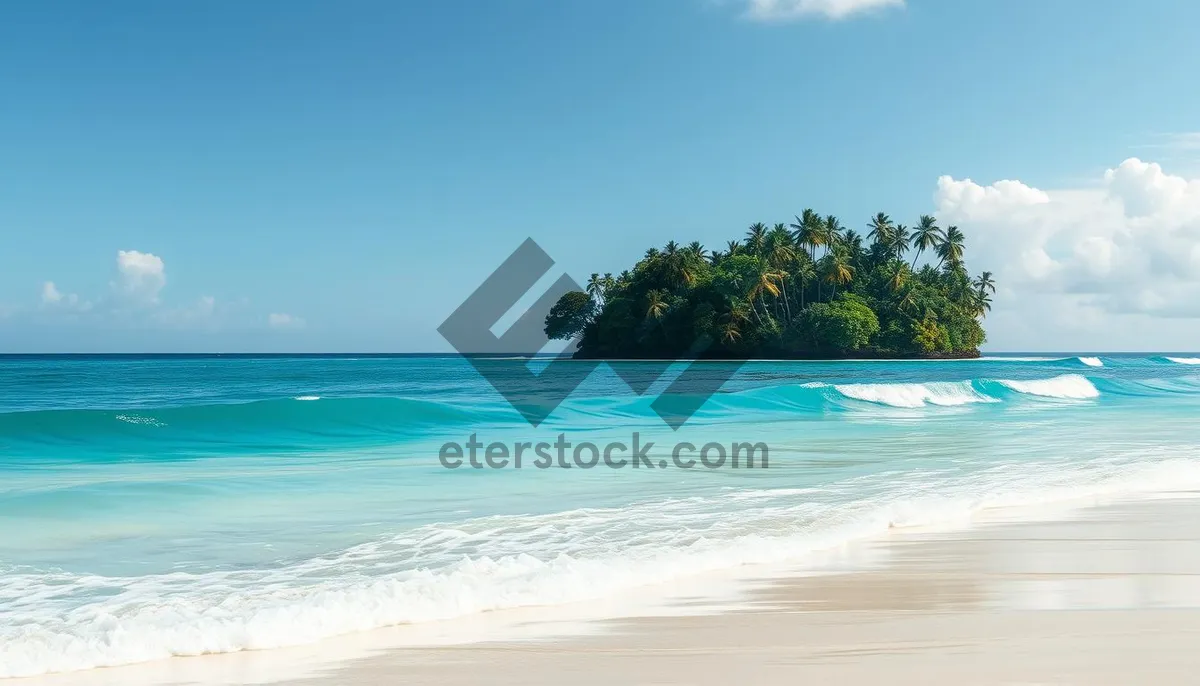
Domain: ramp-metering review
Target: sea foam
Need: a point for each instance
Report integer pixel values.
(956, 393)
(125, 620)
(945, 394)
(1068, 386)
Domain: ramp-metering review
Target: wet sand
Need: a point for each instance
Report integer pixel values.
(1104, 595)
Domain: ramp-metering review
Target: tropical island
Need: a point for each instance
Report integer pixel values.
(805, 290)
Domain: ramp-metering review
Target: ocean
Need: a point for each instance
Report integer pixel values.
(159, 506)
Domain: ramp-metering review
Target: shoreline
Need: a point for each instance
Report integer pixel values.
(888, 357)
(931, 602)
(1108, 594)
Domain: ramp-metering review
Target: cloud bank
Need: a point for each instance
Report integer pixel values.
(783, 10)
(135, 300)
(284, 321)
(52, 297)
(1085, 263)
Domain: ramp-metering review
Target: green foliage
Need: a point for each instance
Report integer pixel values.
(811, 288)
(570, 314)
(930, 337)
(844, 325)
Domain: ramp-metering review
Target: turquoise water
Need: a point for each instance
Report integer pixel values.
(161, 506)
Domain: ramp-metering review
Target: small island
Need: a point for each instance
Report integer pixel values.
(804, 290)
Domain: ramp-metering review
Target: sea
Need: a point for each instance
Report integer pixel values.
(159, 506)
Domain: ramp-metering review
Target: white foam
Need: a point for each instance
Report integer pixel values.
(307, 397)
(1019, 359)
(1092, 361)
(1184, 360)
(944, 394)
(138, 419)
(1068, 386)
(59, 621)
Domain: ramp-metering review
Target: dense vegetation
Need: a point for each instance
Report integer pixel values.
(806, 289)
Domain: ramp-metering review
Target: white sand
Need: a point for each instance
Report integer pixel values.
(1110, 595)
(1092, 597)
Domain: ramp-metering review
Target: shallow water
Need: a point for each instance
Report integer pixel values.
(160, 506)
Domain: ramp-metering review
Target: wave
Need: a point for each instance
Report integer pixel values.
(296, 423)
(60, 621)
(1002, 358)
(956, 393)
(300, 422)
(1183, 360)
(1070, 386)
(945, 394)
(280, 423)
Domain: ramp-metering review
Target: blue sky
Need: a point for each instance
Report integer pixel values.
(316, 176)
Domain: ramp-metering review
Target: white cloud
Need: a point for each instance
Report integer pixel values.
(141, 276)
(50, 294)
(1145, 188)
(1188, 141)
(52, 297)
(282, 320)
(203, 314)
(134, 301)
(206, 305)
(1084, 264)
(773, 10)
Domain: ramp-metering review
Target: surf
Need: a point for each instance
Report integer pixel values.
(502, 562)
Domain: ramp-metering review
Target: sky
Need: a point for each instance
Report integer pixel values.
(338, 177)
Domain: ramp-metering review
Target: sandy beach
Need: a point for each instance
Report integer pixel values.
(1103, 595)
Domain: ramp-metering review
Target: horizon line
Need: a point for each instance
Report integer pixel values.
(543, 354)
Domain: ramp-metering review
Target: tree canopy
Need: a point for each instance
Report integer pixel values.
(809, 289)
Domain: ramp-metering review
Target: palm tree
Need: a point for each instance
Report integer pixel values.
(853, 241)
(809, 232)
(768, 282)
(689, 263)
(656, 305)
(926, 235)
(730, 333)
(901, 237)
(780, 255)
(737, 312)
(756, 237)
(951, 248)
(985, 283)
(881, 229)
(733, 248)
(595, 287)
(805, 273)
(982, 303)
(898, 275)
(696, 249)
(908, 301)
(831, 231)
(679, 265)
(837, 270)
